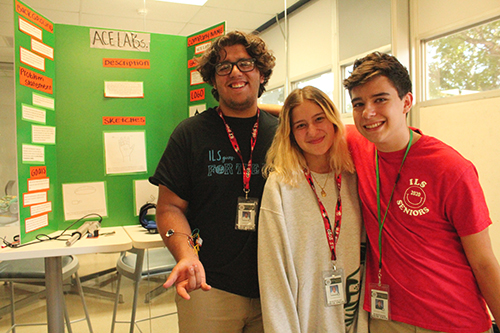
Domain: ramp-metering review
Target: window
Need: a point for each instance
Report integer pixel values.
(324, 82)
(465, 62)
(273, 96)
(346, 99)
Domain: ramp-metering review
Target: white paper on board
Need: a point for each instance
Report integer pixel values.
(33, 154)
(34, 223)
(34, 114)
(123, 89)
(43, 134)
(125, 152)
(42, 49)
(145, 192)
(38, 184)
(41, 208)
(30, 29)
(34, 198)
(196, 109)
(31, 59)
(81, 199)
(43, 101)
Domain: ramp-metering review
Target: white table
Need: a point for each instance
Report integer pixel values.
(53, 251)
(142, 239)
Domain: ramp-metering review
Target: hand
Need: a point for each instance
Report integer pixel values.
(188, 275)
(126, 148)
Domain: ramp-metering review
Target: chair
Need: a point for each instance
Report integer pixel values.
(136, 266)
(32, 271)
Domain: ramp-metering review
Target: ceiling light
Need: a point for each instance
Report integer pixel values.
(187, 2)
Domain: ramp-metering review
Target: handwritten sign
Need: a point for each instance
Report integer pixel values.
(34, 80)
(124, 120)
(192, 63)
(126, 63)
(197, 95)
(34, 17)
(203, 37)
(119, 40)
(38, 172)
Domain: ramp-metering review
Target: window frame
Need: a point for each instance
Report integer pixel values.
(423, 93)
(420, 66)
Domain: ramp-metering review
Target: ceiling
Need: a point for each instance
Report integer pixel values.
(159, 17)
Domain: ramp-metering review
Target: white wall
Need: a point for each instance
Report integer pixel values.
(8, 155)
(313, 44)
(363, 25)
(469, 123)
(310, 42)
(433, 16)
(471, 128)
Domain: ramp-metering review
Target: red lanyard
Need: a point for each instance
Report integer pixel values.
(247, 170)
(332, 237)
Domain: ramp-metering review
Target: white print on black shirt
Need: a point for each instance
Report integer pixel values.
(223, 167)
(414, 199)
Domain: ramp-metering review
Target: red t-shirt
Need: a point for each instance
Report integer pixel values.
(437, 200)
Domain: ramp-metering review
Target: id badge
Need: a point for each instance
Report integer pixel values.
(380, 302)
(246, 213)
(333, 281)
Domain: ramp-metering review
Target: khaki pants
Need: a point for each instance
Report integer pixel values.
(217, 311)
(384, 326)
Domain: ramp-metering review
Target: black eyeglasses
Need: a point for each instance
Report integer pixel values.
(226, 67)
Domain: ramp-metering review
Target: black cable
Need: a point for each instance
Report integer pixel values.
(44, 237)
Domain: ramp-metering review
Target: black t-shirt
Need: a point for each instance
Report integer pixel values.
(201, 167)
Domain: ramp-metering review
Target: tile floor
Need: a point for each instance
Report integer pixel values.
(100, 308)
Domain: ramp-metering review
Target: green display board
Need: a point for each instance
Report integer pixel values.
(35, 120)
(103, 127)
(81, 106)
(200, 93)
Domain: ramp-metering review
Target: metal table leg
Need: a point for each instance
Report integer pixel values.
(54, 282)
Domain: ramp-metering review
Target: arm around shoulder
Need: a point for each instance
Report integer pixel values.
(273, 109)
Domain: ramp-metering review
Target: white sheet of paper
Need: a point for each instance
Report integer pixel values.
(197, 109)
(145, 192)
(29, 58)
(125, 152)
(42, 49)
(43, 101)
(34, 114)
(34, 223)
(41, 208)
(196, 78)
(30, 29)
(33, 154)
(81, 199)
(38, 184)
(123, 89)
(35, 198)
(43, 134)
